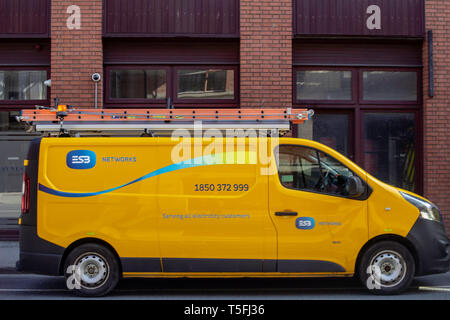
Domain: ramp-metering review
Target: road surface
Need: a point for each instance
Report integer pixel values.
(26, 286)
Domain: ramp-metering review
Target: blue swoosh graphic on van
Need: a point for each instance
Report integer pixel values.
(191, 163)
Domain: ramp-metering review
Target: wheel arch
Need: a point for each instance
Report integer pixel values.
(388, 237)
(88, 241)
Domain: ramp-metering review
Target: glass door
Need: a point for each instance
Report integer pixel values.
(390, 147)
(332, 129)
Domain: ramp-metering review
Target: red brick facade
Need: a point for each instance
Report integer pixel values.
(436, 109)
(76, 53)
(266, 53)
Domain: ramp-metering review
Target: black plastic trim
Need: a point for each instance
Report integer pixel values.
(141, 264)
(308, 266)
(211, 265)
(182, 265)
(432, 247)
(37, 255)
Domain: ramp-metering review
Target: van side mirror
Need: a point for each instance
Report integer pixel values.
(355, 187)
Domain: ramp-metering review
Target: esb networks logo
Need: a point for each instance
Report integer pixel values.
(305, 223)
(81, 159)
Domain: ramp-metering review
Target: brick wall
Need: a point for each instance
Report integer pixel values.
(76, 53)
(266, 53)
(437, 109)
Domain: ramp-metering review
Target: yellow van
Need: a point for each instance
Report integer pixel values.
(99, 209)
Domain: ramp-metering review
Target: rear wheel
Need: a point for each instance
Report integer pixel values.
(91, 270)
(387, 267)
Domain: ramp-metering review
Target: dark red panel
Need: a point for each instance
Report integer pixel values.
(349, 18)
(357, 53)
(171, 51)
(206, 18)
(17, 52)
(24, 18)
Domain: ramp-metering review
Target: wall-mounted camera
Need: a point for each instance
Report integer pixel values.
(96, 77)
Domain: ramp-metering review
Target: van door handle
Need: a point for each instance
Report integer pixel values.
(286, 214)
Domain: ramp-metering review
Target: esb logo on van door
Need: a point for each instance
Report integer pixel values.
(305, 223)
(81, 159)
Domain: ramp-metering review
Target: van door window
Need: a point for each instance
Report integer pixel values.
(298, 168)
(308, 169)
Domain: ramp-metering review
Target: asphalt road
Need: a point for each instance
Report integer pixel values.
(27, 287)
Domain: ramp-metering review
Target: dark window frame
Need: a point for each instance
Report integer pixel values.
(11, 105)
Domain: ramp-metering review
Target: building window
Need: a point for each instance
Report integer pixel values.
(328, 85)
(179, 85)
(389, 85)
(211, 84)
(23, 85)
(144, 84)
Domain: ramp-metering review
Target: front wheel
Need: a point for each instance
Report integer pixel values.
(91, 270)
(387, 268)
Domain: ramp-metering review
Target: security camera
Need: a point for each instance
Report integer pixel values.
(48, 83)
(96, 77)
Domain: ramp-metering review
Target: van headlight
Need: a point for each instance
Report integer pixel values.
(427, 210)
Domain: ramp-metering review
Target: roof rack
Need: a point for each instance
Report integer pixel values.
(69, 120)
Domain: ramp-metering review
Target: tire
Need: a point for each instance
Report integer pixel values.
(387, 268)
(91, 270)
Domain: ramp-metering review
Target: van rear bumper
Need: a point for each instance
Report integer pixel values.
(432, 247)
(37, 255)
(40, 263)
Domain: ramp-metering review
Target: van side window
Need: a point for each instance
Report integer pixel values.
(308, 169)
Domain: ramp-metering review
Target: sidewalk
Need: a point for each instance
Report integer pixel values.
(9, 254)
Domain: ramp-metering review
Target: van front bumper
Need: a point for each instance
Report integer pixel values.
(432, 247)
(37, 255)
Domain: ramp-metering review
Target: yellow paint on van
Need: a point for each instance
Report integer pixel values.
(145, 205)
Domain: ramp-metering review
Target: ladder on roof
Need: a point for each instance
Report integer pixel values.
(68, 120)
